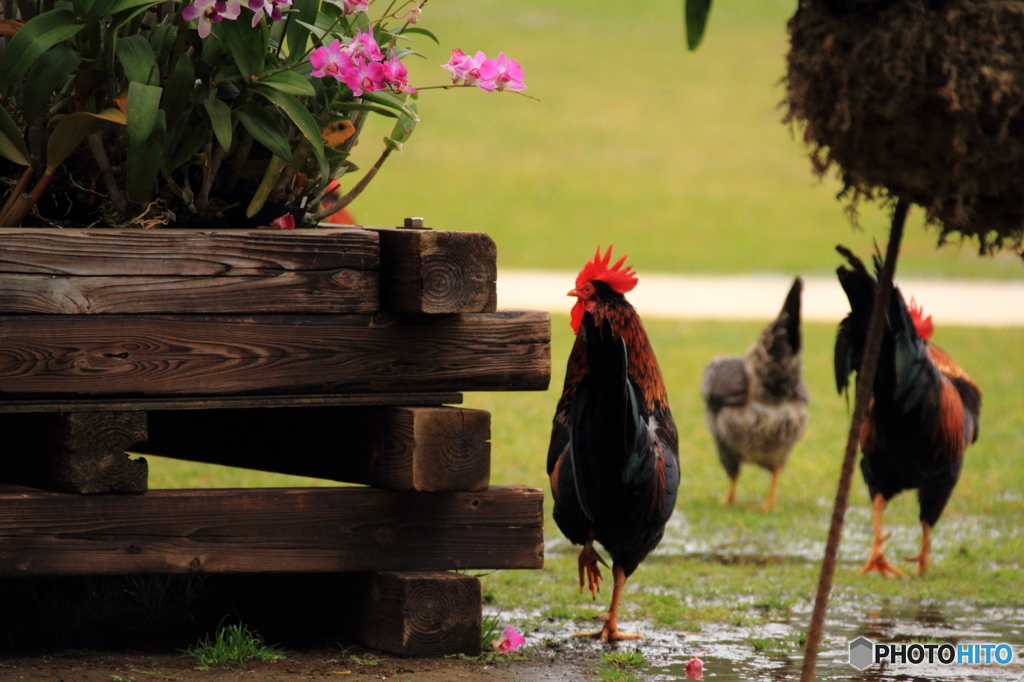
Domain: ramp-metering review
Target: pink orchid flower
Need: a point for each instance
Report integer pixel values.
(353, 6)
(210, 12)
(510, 74)
(483, 74)
(396, 76)
(330, 61)
(364, 46)
(364, 76)
(509, 641)
(458, 65)
(695, 668)
(270, 8)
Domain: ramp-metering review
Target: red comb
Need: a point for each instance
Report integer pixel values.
(922, 324)
(598, 269)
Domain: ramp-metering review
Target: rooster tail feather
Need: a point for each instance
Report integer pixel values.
(859, 286)
(791, 308)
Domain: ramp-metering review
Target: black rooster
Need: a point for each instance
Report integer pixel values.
(613, 459)
(924, 410)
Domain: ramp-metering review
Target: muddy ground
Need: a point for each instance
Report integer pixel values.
(352, 664)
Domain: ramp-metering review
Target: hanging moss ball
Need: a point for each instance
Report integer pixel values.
(917, 99)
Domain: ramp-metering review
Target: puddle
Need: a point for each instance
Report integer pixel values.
(773, 650)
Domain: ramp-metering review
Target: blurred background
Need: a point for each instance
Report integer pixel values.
(679, 158)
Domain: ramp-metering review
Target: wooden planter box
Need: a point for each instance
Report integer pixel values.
(333, 353)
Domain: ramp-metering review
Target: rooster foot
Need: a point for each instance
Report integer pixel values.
(588, 561)
(878, 561)
(922, 563)
(609, 633)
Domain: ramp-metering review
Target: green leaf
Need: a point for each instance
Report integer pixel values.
(122, 5)
(289, 82)
(390, 99)
(302, 119)
(297, 35)
(187, 147)
(138, 60)
(422, 31)
(697, 12)
(70, 132)
(406, 124)
(32, 40)
(48, 74)
(96, 9)
(144, 161)
(178, 88)
(245, 48)
(357, 107)
(265, 130)
(129, 11)
(143, 110)
(220, 118)
(12, 145)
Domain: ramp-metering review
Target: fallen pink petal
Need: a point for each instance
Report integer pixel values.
(285, 222)
(509, 641)
(695, 668)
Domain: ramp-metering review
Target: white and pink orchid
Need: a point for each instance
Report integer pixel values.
(210, 12)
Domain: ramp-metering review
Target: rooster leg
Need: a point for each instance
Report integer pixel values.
(926, 545)
(610, 631)
(730, 497)
(588, 561)
(769, 503)
(877, 560)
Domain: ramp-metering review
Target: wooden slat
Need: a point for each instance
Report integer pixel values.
(74, 452)
(435, 271)
(398, 448)
(423, 614)
(229, 402)
(188, 271)
(92, 355)
(269, 530)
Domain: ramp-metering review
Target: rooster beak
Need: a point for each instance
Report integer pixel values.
(572, 292)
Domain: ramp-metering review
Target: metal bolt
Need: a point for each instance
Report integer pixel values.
(415, 224)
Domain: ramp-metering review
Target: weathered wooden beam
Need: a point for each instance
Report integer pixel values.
(45, 356)
(74, 452)
(188, 271)
(423, 614)
(397, 448)
(228, 402)
(435, 271)
(269, 530)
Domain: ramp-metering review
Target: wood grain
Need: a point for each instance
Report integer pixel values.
(74, 453)
(44, 356)
(397, 448)
(228, 402)
(269, 530)
(423, 614)
(435, 271)
(188, 271)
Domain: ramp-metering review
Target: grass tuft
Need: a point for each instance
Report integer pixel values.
(233, 645)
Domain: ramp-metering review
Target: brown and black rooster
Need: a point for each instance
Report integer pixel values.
(924, 410)
(613, 460)
(756, 405)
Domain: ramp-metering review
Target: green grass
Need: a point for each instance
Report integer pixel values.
(233, 645)
(746, 569)
(680, 159)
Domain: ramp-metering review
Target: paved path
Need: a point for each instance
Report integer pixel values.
(978, 303)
